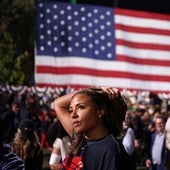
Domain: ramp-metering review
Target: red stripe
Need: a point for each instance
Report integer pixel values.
(141, 30)
(145, 61)
(76, 86)
(52, 85)
(141, 46)
(142, 14)
(100, 73)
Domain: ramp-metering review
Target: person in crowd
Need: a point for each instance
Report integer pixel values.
(167, 131)
(12, 119)
(8, 159)
(61, 146)
(128, 137)
(156, 154)
(52, 133)
(94, 117)
(138, 130)
(46, 120)
(128, 134)
(27, 146)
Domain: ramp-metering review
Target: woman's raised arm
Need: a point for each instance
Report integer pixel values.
(61, 105)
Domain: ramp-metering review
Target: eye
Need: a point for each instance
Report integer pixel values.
(70, 110)
(81, 107)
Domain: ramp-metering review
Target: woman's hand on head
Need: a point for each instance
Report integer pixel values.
(111, 91)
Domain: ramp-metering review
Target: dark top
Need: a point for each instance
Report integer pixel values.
(36, 162)
(107, 153)
(9, 160)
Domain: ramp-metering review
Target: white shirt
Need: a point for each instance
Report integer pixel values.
(157, 148)
(64, 146)
(167, 130)
(129, 141)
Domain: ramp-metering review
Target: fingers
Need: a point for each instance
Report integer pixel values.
(80, 164)
(111, 91)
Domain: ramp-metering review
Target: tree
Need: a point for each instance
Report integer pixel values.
(16, 42)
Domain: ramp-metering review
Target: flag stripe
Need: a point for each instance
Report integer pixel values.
(141, 14)
(80, 81)
(142, 30)
(99, 73)
(101, 65)
(143, 45)
(144, 61)
(143, 54)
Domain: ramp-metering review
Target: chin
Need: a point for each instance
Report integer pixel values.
(78, 131)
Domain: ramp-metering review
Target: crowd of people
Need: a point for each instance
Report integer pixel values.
(75, 130)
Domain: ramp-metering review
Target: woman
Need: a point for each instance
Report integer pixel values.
(26, 145)
(128, 135)
(61, 146)
(95, 117)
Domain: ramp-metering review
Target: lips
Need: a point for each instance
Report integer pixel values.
(76, 123)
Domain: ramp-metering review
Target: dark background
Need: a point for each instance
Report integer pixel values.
(160, 6)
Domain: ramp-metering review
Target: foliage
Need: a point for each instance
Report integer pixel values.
(16, 42)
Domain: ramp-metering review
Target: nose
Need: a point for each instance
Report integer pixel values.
(73, 114)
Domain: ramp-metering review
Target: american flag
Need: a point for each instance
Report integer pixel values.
(80, 45)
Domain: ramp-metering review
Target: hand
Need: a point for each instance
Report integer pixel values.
(111, 91)
(148, 163)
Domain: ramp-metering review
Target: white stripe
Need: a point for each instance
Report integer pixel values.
(142, 22)
(92, 81)
(143, 37)
(101, 65)
(143, 53)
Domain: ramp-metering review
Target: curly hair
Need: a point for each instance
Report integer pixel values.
(115, 111)
(25, 148)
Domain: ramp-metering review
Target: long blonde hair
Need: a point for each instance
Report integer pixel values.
(25, 148)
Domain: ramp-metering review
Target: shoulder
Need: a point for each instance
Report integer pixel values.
(57, 142)
(167, 125)
(130, 131)
(110, 144)
(10, 160)
(66, 139)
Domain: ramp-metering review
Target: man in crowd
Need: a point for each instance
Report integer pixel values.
(156, 156)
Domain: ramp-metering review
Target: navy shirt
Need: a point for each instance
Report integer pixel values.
(107, 153)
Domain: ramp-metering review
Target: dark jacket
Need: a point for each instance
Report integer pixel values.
(9, 160)
(162, 165)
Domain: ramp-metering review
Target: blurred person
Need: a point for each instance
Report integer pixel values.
(94, 116)
(45, 125)
(8, 159)
(167, 130)
(12, 119)
(128, 135)
(52, 133)
(148, 128)
(156, 153)
(138, 131)
(61, 146)
(27, 146)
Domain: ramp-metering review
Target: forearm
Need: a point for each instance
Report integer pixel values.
(56, 167)
(61, 105)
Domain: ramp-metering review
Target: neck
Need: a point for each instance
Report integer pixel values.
(97, 134)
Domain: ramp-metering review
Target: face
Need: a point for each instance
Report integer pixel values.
(159, 125)
(15, 108)
(84, 115)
